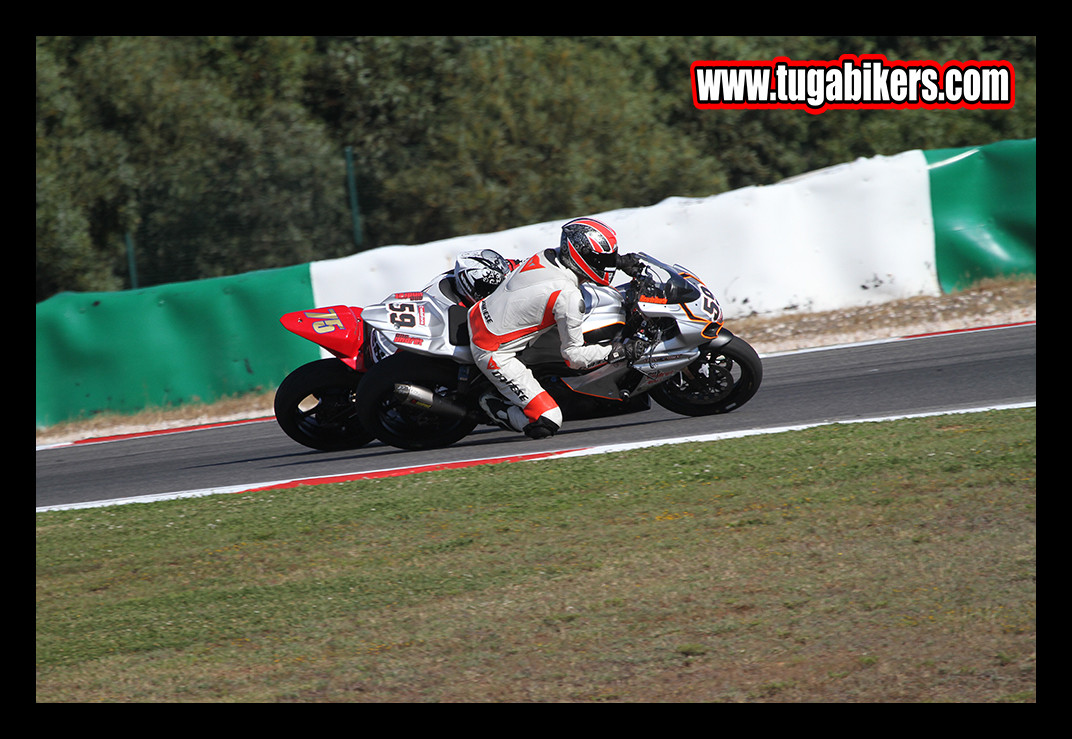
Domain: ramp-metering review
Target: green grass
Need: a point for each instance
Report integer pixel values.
(874, 562)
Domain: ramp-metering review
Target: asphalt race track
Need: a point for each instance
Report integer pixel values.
(939, 373)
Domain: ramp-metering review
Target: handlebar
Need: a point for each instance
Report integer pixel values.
(673, 287)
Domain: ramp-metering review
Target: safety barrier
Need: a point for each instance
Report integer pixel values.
(983, 199)
(168, 345)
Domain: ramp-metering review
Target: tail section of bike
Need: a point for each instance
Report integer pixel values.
(338, 328)
(314, 405)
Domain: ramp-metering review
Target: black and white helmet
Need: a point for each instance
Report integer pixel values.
(477, 273)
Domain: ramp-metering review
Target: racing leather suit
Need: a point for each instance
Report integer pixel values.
(539, 295)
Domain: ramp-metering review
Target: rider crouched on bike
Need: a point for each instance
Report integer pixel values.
(542, 294)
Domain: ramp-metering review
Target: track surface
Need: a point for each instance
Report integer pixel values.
(945, 372)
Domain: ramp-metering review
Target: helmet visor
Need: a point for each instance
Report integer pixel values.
(599, 266)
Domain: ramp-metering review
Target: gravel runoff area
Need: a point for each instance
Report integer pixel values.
(988, 304)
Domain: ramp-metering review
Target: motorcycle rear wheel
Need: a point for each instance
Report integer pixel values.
(315, 407)
(722, 379)
(406, 426)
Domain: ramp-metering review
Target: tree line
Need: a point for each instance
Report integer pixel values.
(167, 158)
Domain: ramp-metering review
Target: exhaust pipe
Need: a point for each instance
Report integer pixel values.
(425, 399)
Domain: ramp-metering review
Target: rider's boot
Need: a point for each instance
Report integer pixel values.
(502, 414)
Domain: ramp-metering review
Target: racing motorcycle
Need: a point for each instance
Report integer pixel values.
(403, 372)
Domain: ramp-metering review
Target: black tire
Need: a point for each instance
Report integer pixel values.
(315, 406)
(722, 379)
(406, 426)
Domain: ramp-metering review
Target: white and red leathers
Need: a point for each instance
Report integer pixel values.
(536, 297)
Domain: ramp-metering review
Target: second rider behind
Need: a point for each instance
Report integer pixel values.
(475, 275)
(542, 294)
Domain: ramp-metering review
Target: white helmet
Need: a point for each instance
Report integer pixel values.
(477, 273)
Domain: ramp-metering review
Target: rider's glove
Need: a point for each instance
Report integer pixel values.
(631, 351)
(631, 264)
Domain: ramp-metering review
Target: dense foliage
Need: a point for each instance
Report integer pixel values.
(210, 155)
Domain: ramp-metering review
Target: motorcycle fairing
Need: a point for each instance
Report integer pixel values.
(677, 293)
(419, 322)
(338, 328)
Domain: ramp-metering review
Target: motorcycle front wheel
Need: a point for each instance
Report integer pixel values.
(407, 426)
(315, 406)
(722, 379)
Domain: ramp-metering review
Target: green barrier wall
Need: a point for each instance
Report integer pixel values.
(195, 341)
(983, 200)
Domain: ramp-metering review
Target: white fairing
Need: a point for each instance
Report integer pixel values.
(417, 322)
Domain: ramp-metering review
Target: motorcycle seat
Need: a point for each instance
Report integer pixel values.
(458, 325)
